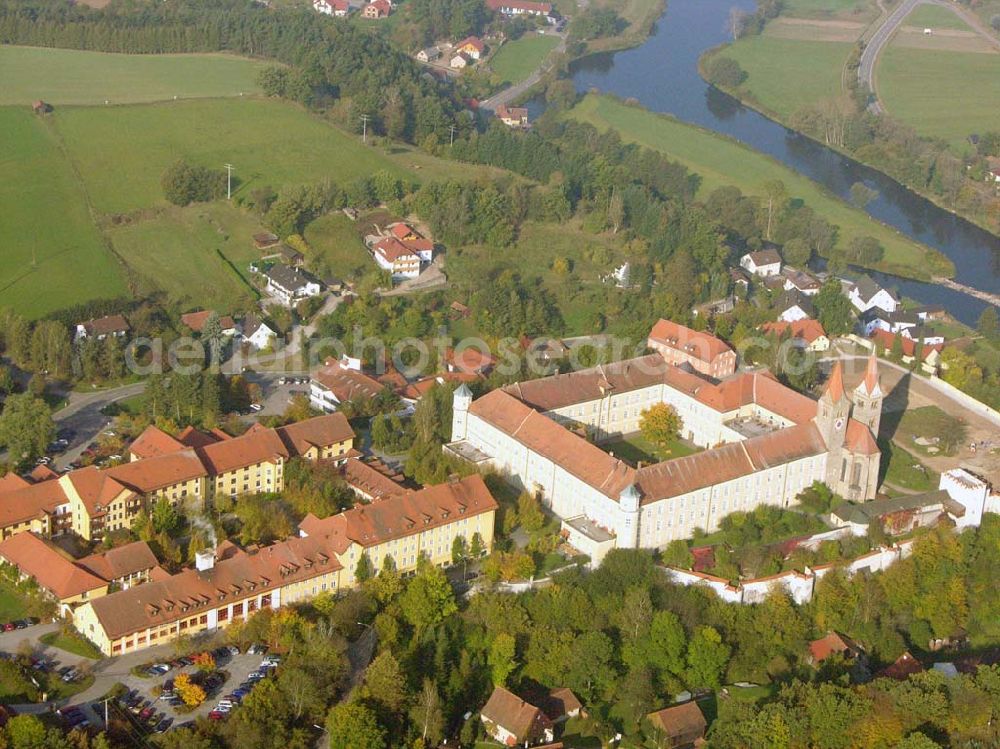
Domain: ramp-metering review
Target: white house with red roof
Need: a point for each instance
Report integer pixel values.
(392, 255)
(471, 46)
(336, 8)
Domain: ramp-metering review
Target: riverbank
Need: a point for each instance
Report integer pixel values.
(747, 98)
(720, 161)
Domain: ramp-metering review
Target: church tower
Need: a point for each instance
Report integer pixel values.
(868, 398)
(832, 412)
(461, 400)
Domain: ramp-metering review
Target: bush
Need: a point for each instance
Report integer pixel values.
(184, 184)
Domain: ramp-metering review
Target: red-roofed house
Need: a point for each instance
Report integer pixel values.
(807, 334)
(832, 644)
(469, 360)
(337, 382)
(512, 116)
(678, 726)
(930, 354)
(392, 255)
(377, 9)
(471, 46)
(195, 321)
(115, 326)
(679, 344)
(336, 8)
(519, 8)
(513, 722)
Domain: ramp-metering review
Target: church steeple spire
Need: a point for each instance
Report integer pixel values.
(835, 385)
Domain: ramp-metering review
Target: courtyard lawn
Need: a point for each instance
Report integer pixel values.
(71, 643)
(932, 423)
(122, 152)
(935, 17)
(635, 449)
(53, 255)
(940, 93)
(516, 60)
(11, 603)
(335, 238)
(197, 255)
(903, 471)
(720, 161)
(67, 76)
(784, 75)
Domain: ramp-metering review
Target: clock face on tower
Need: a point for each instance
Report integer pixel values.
(838, 424)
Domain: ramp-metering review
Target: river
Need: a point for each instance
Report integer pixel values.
(662, 74)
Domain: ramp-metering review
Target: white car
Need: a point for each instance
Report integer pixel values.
(255, 407)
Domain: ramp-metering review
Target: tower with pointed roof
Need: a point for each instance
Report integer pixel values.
(461, 400)
(832, 413)
(868, 396)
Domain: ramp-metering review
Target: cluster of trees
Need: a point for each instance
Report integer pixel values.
(595, 23)
(428, 21)
(468, 213)
(184, 183)
(176, 400)
(26, 428)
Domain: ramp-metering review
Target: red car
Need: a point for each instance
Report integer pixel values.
(9, 627)
(217, 715)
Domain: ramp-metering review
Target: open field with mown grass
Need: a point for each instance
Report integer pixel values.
(516, 60)
(336, 238)
(814, 30)
(178, 252)
(829, 8)
(721, 161)
(121, 152)
(935, 17)
(784, 75)
(941, 94)
(68, 76)
(640, 16)
(53, 255)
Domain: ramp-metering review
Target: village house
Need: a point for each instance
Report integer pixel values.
(288, 285)
(336, 8)
(469, 361)
(513, 722)
(512, 116)
(678, 344)
(472, 47)
(413, 240)
(257, 334)
(678, 726)
(195, 321)
(866, 295)
(459, 62)
(228, 584)
(392, 255)
(832, 644)
(806, 334)
(794, 306)
(338, 382)
(429, 55)
(930, 355)
(892, 322)
(762, 263)
(796, 280)
(520, 8)
(377, 9)
(115, 326)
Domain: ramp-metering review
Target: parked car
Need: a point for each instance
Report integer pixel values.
(163, 725)
(70, 675)
(257, 649)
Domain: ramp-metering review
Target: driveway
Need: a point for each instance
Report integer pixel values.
(83, 416)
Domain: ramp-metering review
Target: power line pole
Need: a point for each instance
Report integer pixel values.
(229, 181)
(364, 128)
(452, 129)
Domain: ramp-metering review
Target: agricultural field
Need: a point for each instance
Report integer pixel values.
(828, 8)
(122, 152)
(784, 75)
(720, 161)
(66, 76)
(198, 255)
(50, 242)
(935, 17)
(516, 60)
(942, 94)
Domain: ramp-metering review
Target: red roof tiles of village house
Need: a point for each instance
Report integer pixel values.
(885, 339)
(470, 360)
(321, 431)
(196, 320)
(49, 565)
(30, 502)
(684, 724)
(701, 345)
(42, 473)
(11, 481)
(153, 442)
(192, 592)
(392, 249)
(106, 325)
(192, 437)
(400, 515)
(520, 718)
(346, 383)
(383, 7)
(831, 643)
(417, 390)
(807, 329)
(403, 230)
(472, 41)
(120, 561)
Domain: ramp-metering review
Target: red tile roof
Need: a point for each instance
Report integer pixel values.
(473, 41)
(859, 439)
(835, 385)
(885, 339)
(807, 329)
(153, 442)
(196, 320)
(871, 374)
(192, 437)
(346, 383)
(684, 724)
(42, 473)
(106, 325)
(701, 345)
(30, 502)
(904, 667)
(159, 472)
(50, 567)
(321, 431)
(522, 719)
(120, 561)
(369, 481)
(255, 446)
(830, 644)
(392, 250)
(11, 481)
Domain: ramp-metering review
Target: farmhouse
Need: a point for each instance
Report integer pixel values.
(471, 47)
(392, 255)
(289, 285)
(195, 321)
(765, 444)
(429, 55)
(413, 240)
(512, 116)
(459, 61)
(763, 263)
(929, 354)
(377, 9)
(866, 295)
(806, 334)
(115, 326)
(512, 721)
(794, 306)
(258, 334)
(469, 361)
(679, 344)
(796, 280)
(337, 8)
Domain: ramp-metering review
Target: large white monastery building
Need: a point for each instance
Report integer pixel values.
(764, 443)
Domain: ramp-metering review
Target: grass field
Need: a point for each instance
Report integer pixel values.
(903, 470)
(930, 422)
(516, 60)
(53, 255)
(66, 76)
(784, 75)
(720, 162)
(11, 603)
(123, 151)
(827, 8)
(935, 17)
(941, 94)
(177, 252)
(336, 238)
(71, 643)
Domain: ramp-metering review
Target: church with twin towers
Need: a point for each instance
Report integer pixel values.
(763, 442)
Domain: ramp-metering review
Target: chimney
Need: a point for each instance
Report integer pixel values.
(204, 560)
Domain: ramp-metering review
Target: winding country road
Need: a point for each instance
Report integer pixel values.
(884, 33)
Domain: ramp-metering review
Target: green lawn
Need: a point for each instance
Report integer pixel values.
(941, 94)
(935, 17)
(516, 60)
(123, 151)
(11, 603)
(930, 422)
(335, 237)
(53, 256)
(635, 448)
(66, 76)
(178, 252)
(825, 8)
(721, 161)
(903, 470)
(71, 643)
(784, 75)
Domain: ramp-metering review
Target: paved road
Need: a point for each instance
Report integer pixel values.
(83, 416)
(510, 94)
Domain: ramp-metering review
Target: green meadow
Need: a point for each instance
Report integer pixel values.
(516, 60)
